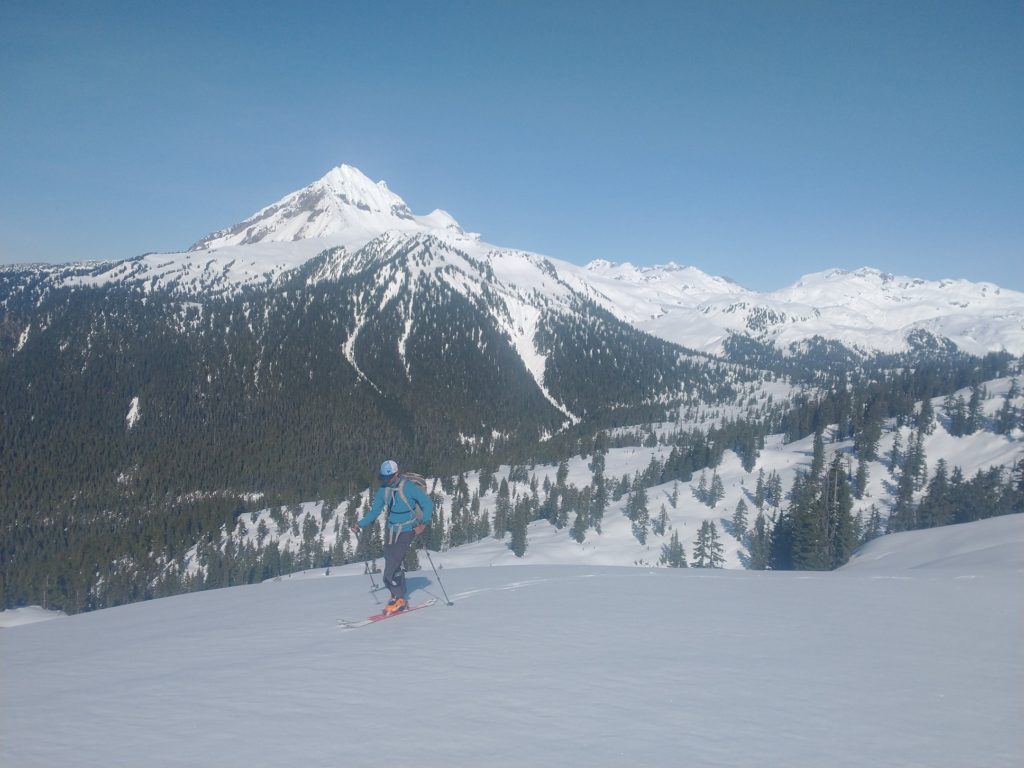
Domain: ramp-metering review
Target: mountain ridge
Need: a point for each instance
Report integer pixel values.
(867, 310)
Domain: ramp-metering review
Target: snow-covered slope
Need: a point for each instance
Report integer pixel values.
(985, 545)
(542, 665)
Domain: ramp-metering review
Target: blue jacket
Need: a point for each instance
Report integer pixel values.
(389, 497)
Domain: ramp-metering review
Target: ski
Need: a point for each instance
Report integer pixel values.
(353, 623)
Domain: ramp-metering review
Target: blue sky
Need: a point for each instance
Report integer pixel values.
(757, 140)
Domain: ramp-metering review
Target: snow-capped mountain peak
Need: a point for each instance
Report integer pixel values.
(347, 185)
(342, 202)
(343, 212)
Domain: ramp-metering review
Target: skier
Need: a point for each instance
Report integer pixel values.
(400, 498)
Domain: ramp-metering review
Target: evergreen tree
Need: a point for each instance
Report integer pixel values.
(860, 485)
(636, 511)
(974, 412)
(717, 491)
(672, 554)
(981, 497)
(780, 543)
(873, 527)
(759, 544)
(502, 510)
(818, 453)
(956, 412)
(935, 508)
(819, 528)
(716, 549)
(486, 476)
(867, 436)
(739, 520)
(599, 501)
(701, 556)
(1016, 488)
(459, 523)
(915, 463)
(957, 495)
(775, 489)
(436, 532)
(896, 453)
(652, 475)
(807, 524)
(903, 515)
(660, 523)
(481, 523)
(373, 543)
(1007, 418)
(562, 474)
(579, 527)
(707, 550)
(759, 493)
(566, 502)
(925, 421)
(841, 529)
(520, 519)
(701, 491)
(621, 489)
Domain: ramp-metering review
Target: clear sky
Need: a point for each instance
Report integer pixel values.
(757, 140)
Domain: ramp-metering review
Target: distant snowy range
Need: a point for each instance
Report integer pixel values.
(866, 309)
(672, 463)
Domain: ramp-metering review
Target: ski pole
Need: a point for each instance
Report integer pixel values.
(447, 601)
(366, 566)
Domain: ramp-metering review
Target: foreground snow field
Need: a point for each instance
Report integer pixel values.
(908, 657)
(15, 617)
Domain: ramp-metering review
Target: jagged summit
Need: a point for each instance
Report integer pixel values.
(343, 201)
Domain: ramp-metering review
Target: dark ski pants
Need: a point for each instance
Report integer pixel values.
(395, 549)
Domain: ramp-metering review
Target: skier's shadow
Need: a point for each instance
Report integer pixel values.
(414, 583)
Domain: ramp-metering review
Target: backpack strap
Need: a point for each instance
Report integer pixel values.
(389, 500)
(416, 509)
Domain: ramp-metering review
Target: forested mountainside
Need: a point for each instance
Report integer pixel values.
(147, 404)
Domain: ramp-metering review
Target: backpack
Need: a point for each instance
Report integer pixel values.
(419, 482)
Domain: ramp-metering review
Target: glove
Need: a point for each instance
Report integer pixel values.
(420, 529)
